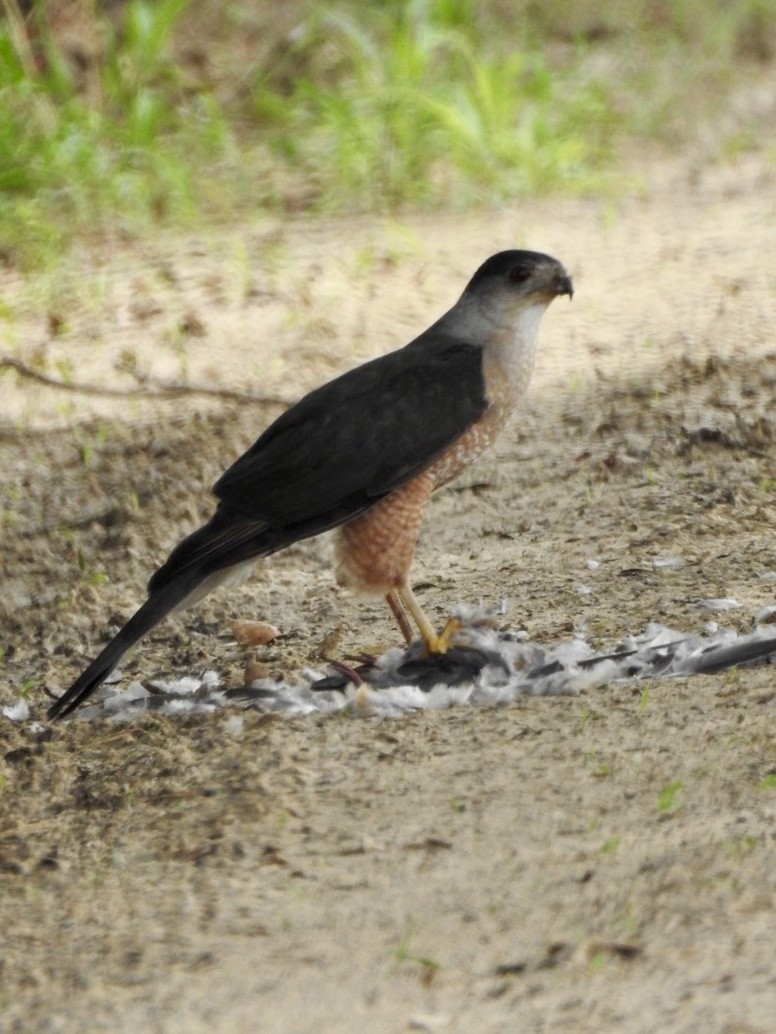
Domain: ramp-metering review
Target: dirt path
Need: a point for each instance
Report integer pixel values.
(597, 863)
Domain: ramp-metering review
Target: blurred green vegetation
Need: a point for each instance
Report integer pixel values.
(131, 114)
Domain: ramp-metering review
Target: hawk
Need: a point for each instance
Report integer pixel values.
(363, 454)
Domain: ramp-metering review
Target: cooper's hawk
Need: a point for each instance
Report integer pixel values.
(363, 453)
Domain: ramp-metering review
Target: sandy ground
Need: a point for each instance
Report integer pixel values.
(599, 863)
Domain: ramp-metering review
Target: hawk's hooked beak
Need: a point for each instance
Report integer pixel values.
(564, 285)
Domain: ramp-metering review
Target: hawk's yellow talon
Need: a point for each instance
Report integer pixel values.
(439, 644)
(435, 644)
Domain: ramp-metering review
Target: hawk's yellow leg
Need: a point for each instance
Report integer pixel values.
(434, 643)
(402, 618)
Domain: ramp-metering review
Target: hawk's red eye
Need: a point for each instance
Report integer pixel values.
(519, 274)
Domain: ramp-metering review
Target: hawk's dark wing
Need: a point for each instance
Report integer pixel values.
(337, 452)
(354, 439)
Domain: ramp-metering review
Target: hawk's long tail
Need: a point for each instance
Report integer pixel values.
(202, 561)
(158, 605)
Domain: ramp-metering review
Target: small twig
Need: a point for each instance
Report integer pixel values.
(158, 389)
(104, 516)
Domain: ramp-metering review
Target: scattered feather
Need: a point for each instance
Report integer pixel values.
(484, 668)
(18, 712)
(724, 603)
(667, 563)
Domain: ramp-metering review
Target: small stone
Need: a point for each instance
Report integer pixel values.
(254, 633)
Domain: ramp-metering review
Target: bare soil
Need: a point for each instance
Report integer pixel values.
(599, 863)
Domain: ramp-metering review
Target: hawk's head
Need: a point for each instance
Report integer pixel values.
(514, 279)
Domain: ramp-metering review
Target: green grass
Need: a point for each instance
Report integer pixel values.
(610, 846)
(668, 799)
(428, 967)
(412, 109)
(355, 107)
(105, 152)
